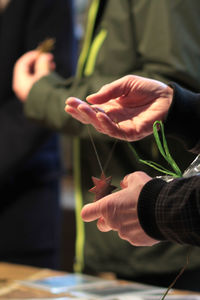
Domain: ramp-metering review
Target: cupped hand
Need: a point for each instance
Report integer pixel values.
(126, 108)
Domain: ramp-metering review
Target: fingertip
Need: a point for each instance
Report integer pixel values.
(50, 55)
(46, 55)
(90, 98)
(121, 184)
(67, 101)
(84, 213)
(124, 182)
(53, 65)
(66, 108)
(32, 53)
(74, 101)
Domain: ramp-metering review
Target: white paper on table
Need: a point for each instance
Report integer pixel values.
(64, 283)
(115, 290)
(156, 297)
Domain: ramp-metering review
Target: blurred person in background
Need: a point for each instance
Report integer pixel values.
(29, 153)
(156, 39)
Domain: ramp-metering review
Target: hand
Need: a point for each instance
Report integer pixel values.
(118, 211)
(126, 108)
(28, 69)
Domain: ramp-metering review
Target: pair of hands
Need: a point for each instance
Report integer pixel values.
(125, 109)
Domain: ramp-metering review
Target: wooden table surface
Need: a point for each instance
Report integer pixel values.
(11, 289)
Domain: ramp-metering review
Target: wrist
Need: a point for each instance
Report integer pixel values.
(168, 95)
(147, 208)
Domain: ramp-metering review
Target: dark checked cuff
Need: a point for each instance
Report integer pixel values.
(147, 206)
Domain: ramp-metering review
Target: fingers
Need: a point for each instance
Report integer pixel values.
(72, 108)
(112, 208)
(28, 57)
(23, 74)
(88, 114)
(105, 207)
(73, 112)
(121, 222)
(125, 182)
(134, 178)
(102, 226)
(81, 111)
(108, 126)
(129, 231)
(99, 117)
(34, 62)
(25, 62)
(44, 64)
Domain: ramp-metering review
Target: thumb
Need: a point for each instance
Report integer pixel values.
(91, 212)
(107, 92)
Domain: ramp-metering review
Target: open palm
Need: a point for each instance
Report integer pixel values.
(126, 108)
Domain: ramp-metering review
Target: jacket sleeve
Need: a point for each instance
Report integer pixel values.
(174, 211)
(183, 118)
(171, 211)
(53, 19)
(129, 48)
(21, 137)
(46, 103)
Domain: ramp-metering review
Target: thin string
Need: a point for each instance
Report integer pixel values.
(95, 149)
(110, 155)
(179, 274)
(103, 169)
(164, 150)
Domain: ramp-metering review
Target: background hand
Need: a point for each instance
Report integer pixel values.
(118, 211)
(28, 69)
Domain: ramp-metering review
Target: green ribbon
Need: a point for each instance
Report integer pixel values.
(164, 150)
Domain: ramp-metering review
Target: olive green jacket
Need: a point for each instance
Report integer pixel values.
(157, 39)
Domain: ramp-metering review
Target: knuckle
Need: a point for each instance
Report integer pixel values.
(122, 234)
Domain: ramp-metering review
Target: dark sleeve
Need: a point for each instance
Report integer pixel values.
(183, 118)
(125, 39)
(53, 19)
(175, 212)
(171, 211)
(20, 137)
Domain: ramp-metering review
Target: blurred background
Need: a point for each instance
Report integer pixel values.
(67, 195)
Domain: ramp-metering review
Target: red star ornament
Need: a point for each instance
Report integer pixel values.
(102, 186)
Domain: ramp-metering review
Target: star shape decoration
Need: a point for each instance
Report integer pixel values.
(102, 186)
